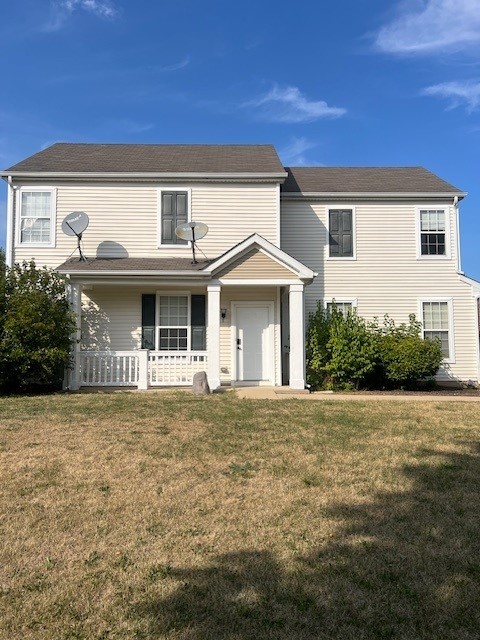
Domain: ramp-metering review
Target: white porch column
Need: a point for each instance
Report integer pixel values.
(213, 335)
(297, 336)
(143, 369)
(76, 302)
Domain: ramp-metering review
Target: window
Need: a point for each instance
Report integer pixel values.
(173, 322)
(340, 229)
(35, 217)
(343, 307)
(436, 324)
(174, 210)
(432, 232)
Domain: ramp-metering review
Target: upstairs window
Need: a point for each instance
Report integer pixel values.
(341, 233)
(432, 232)
(174, 210)
(36, 217)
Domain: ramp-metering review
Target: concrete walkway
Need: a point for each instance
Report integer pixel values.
(284, 393)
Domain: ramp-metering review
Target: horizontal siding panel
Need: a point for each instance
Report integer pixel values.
(255, 265)
(124, 219)
(386, 277)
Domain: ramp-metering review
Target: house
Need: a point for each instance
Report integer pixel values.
(381, 239)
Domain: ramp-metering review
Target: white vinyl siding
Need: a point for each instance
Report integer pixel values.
(386, 276)
(124, 219)
(36, 217)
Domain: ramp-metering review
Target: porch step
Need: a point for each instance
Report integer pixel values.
(289, 391)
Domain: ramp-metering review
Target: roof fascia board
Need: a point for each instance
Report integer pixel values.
(184, 175)
(471, 281)
(138, 272)
(371, 195)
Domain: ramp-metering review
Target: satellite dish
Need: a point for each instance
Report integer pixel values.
(74, 225)
(192, 231)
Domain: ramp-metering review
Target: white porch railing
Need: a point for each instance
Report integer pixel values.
(138, 368)
(108, 368)
(175, 368)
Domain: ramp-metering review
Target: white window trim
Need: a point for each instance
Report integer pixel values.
(340, 300)
(418, 231)
(158, 326)
(333, 207)
(162, 189)
(451, 326)
(53, 217)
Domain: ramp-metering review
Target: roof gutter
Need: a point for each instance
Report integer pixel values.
(373, 194)
(134, 174)
(129, 272)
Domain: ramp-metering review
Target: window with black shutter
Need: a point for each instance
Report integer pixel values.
(174, 212)
(340, 226)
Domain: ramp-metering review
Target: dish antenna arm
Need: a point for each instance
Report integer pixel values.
(82, 257)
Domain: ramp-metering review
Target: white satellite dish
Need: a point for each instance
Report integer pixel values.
(192, 231)
(74, 225)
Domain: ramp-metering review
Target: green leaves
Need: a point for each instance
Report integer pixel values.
(36, 328)
(346, 352)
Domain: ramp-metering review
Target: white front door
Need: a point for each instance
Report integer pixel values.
(253, 341)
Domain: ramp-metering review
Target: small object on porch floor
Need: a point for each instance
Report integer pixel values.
(200, 385)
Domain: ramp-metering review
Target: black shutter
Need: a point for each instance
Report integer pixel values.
(174, 212)
(198, 323)
(341, 233)
(148, 321)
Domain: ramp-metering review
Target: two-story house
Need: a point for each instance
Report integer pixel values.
(383, 240)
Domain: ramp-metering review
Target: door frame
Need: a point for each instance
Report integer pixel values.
(270, 305)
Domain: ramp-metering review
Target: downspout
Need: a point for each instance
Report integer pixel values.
(457, 231)
(477, 324)
(9, 238)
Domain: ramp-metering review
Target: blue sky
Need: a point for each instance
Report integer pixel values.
(350, 82)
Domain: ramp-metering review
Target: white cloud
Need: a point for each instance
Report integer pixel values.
(61, 10)
(458, 94)
(429, 26)
(294, 153)
(290, 105)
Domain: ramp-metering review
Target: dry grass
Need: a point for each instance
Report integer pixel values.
(155, 516)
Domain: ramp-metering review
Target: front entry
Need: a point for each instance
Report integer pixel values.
(253, 348)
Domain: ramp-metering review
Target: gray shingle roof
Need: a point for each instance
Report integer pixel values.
(364, 180)
(132, 264)
(153, 158)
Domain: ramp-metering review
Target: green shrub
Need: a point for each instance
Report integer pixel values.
(341, 351)
(405, 356)
(345, 352)
(36, 328)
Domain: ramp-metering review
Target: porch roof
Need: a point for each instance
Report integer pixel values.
(133, 265)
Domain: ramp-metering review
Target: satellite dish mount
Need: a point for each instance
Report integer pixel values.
(192, 231)
(74, 225)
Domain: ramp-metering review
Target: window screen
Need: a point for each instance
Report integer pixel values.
(436, 324)
(35, 217)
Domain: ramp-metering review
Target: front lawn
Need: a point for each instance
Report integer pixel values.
(155, 516)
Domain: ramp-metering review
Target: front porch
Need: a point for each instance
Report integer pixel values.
(239, 318)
